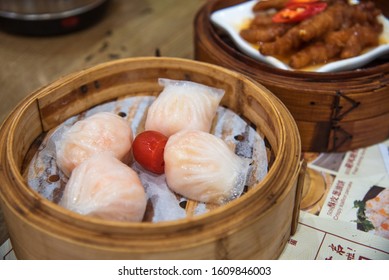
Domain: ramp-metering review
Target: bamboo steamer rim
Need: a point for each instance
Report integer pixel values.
(44, 212)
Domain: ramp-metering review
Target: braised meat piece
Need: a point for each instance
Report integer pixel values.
(269, 4)
(331, 19)
(265, 33)
(340, 31)
(345, 43)
(311, 28)
(261, 19)
(315, 53)
(360, 38)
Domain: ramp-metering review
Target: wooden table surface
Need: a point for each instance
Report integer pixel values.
(130, 28)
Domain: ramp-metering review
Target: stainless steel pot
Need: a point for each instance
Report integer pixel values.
(46, 17)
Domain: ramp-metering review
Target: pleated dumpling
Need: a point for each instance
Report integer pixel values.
(104, 187)
(200, 166)
(183, 105)
(101, 132)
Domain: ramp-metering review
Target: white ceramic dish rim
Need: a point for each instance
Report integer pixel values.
(231, 19)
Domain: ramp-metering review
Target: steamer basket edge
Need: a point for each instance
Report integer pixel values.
(31, 214)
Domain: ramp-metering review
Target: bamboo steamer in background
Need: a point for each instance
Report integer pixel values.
(255, 226)
(3, 230)
(334, 112)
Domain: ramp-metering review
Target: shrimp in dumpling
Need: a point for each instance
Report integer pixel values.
(101, 132)
(201, 166)
(183, 105)
(104, 187)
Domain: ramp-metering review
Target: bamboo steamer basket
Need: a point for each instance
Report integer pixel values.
(3, 230)
(255, 226)
(335, 112)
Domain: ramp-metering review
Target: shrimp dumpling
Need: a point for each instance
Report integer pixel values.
(102, 186)
(101, 132)
(201, 166)
(183, 105)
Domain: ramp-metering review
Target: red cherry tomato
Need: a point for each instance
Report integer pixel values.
(296, 12)
(148, 148)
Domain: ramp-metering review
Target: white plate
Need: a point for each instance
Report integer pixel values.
(231, 19)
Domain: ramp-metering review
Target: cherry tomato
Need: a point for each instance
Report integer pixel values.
(148, 148)
(296, 12)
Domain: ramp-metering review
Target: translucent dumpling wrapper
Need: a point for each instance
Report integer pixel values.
(201, 166)
(104, 187)
(183, 105)
(101, 132)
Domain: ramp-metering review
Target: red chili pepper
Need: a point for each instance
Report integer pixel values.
(296, 12)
